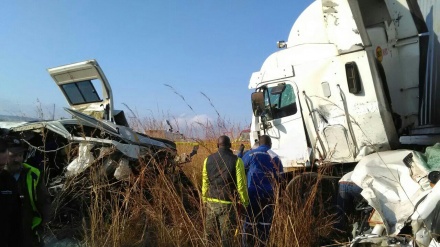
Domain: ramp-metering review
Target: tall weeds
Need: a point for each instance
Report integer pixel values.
(160, 204)
(304, 213)
(156, 208)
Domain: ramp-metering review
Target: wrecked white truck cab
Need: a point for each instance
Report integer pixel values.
(402, 188)
(354, 77)
(355, 82)
(95, 148)
(95, 129)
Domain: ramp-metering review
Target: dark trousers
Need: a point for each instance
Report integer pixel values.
(220, 224)
(10, 214)
(348, 195)
(257, 224)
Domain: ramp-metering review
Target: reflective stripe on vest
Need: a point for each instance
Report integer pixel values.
(208, 199)
(32, 180)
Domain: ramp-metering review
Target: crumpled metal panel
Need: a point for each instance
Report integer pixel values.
(54, 126)
(338, 20)
(392, 188)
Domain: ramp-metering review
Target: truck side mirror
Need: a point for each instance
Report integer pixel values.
(257, 103)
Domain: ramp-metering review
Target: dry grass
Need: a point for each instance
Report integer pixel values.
(303, 216)
(157, 208)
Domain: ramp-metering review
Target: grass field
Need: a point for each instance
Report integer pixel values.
(155, 209)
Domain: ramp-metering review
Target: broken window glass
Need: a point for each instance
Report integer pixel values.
(280, 103)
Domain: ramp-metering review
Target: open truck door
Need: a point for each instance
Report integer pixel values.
(87, 90)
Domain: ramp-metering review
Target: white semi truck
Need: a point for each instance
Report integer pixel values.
(354, 77)
(358, 77)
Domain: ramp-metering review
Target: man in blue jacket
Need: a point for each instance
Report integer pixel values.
(263, 169)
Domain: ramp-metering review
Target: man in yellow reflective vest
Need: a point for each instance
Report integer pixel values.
(223, 183)
(34, 197)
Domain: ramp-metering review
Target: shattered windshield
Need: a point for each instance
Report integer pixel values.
(279, 105)
(80, 92)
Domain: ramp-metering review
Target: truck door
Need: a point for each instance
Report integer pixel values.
(86, 88)
(280, 117)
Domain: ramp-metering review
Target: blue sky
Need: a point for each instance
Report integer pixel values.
(209, 47)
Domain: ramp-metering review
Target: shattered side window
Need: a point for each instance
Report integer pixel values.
(81, 92)
(282, 104)
(288, 97)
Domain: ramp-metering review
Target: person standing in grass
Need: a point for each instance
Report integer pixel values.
(9, 203)
(223, 183)
(35, 204)
(263, 169)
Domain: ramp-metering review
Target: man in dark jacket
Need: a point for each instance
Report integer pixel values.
(223, 183)
(263, 169)
(35, 198)
(10, 223)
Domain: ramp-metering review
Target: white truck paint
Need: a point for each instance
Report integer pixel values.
(350, 80)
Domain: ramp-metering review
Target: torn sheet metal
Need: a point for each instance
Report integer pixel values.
(89, 132)
(338, 19)
(125, 133)
(389, 187)
(96, 139)
(8, 125)
(55, 126)
(85, 159)
(424, 215)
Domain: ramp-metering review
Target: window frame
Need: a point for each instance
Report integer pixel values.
(275, 106)
(85, 90)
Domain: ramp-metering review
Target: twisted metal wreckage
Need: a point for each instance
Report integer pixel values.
(97, 134)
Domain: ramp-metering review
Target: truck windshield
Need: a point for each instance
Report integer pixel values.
(281, 104)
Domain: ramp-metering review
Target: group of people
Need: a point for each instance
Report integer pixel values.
(24, 200)
(246, 180)
(232, 186)
(243, 184)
